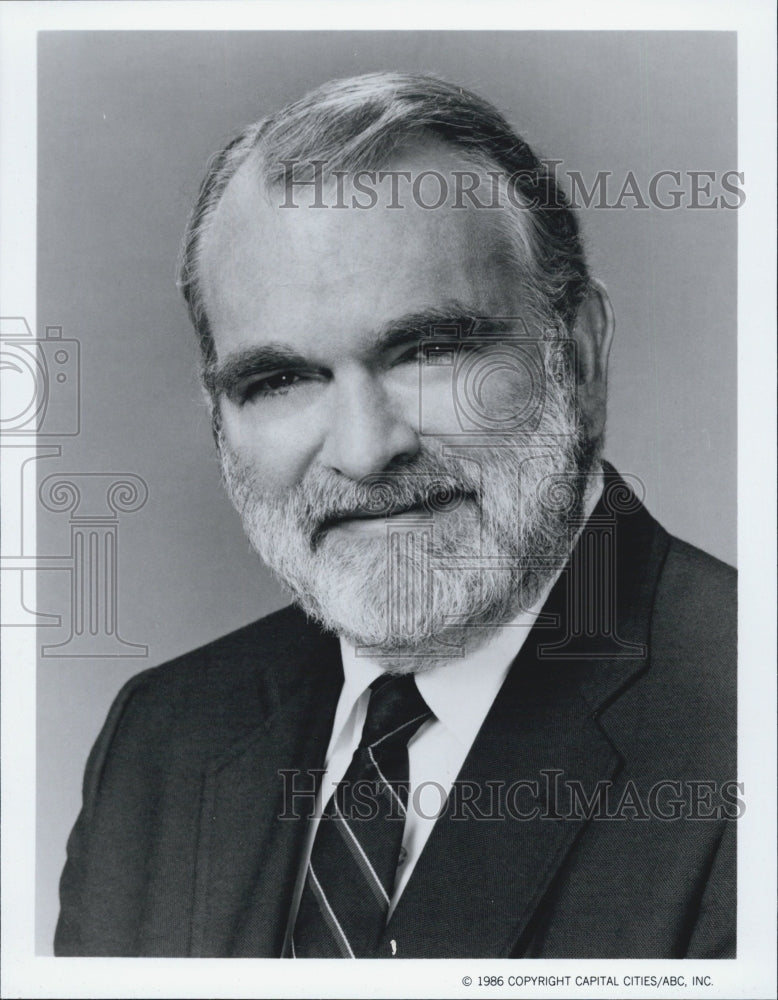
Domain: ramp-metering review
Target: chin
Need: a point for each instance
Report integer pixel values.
(409, 619)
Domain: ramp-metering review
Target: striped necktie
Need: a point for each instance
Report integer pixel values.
(351, 872)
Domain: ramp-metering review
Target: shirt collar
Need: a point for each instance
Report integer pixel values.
(457, 691)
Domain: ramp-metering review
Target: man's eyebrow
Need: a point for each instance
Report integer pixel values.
(227, 376)
(452, 321)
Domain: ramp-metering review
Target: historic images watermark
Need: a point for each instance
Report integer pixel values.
(550, 796)
(486, 189)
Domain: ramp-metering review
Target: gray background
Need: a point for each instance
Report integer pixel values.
(127, 122)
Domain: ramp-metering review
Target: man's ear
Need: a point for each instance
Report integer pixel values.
(214, 412)
(593, 334)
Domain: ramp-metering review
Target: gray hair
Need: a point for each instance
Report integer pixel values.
(358, 124)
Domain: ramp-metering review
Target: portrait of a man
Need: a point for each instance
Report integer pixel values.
(498, 717)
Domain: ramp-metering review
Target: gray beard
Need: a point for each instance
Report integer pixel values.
(496, 523)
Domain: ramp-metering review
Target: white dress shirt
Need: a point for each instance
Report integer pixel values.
(459, 693)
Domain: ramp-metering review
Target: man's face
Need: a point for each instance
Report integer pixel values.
(331, 414)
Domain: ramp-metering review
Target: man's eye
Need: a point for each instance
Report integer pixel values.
(277, 384)
(428, 354)
(410, 355)
(440, 355)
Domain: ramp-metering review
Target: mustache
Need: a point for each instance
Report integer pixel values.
(379, 497)
(425, 484)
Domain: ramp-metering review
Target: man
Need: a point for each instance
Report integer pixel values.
(499, 720)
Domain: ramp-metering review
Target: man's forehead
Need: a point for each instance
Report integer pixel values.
(259, 256)
(428, 179)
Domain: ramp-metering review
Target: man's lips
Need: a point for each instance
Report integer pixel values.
(369, 515)
(426, 508)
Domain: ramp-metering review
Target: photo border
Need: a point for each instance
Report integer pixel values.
(752, 973)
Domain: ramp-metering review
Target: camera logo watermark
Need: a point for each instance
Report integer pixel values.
(41, 404)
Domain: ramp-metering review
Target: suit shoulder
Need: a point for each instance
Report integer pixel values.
(253, 648)
(216, 691)
(694, 644)
(696, 592)
(705, 569)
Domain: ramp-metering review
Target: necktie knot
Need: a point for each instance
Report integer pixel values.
(395, 712)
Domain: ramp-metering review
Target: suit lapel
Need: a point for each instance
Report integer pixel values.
(248, 853)
(479, 881)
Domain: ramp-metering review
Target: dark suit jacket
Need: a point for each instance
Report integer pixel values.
(179, 849)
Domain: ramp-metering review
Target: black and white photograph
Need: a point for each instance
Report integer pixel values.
(388, 502)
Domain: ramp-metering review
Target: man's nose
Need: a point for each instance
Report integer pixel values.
(368, 430)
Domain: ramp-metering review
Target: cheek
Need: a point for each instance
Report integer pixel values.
(435, 399)
(498, 392)
(278, 452)
(505, 397)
